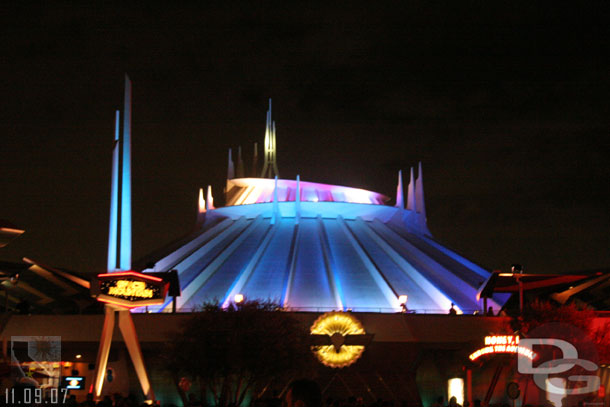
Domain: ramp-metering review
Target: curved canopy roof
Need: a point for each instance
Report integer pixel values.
(243, 191)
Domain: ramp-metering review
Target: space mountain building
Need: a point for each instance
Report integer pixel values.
(367, 278)
(318, 247)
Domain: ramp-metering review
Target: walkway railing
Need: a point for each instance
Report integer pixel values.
(378, 310)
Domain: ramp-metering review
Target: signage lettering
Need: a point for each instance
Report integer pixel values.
(126, 288)
(503, 344)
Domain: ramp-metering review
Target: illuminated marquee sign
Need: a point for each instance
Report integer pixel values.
(502, 344)
(339, 339)
(130, 289)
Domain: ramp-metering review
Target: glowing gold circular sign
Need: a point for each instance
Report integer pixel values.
(338, 338)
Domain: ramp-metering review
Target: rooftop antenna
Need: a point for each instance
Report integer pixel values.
(270, 164)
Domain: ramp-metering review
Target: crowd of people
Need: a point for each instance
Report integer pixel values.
(300, 393)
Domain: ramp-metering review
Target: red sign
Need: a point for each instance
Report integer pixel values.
(502, 344)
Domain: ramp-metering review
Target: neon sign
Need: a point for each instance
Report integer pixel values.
(502, 344)
(129, 289)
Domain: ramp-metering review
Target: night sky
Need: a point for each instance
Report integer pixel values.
(507, 108)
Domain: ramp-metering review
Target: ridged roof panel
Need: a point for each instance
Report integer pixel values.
(322, 261)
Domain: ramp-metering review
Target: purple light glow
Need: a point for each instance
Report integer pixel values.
(260, 190)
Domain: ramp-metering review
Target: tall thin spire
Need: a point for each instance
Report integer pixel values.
(255, 161)
(270, 164)
(239, 172)
(119, 237)
(201, 208)
(411, 193)
(209, 203)
(400, 202)
(420, 204)
(113, 242)
(201, 202)
(230, 167)
(125, 259)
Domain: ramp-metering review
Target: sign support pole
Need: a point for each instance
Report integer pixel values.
(128, 331)
(104, 349)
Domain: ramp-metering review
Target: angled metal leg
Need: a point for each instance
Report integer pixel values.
(128, 330)
(104, 350)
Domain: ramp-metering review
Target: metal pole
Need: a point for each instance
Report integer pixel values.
(520, 295)
(128, 330)
(104, 350)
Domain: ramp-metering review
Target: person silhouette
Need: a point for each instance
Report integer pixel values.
(452, 310)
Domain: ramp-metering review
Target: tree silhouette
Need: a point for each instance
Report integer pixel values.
(238, 350)
(539, 313)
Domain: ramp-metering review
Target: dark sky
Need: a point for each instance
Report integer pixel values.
(506, 106)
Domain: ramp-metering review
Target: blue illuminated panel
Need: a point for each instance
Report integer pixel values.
(270, 275)
(452, 287)
(359, 289)
(310, 288)
(221, 281)
(190, 267)
(399, 280)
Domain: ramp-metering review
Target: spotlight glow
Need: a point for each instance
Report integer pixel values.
(455, 388)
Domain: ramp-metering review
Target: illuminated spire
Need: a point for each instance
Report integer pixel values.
(209, 203)
(270, 163)
(125, 254)
(202, 204)
(411, 193)
(230, 167)
(119, 236)
(201, 208)
(400, 202)
(419, 192)
(240, 164)
(114, 196)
